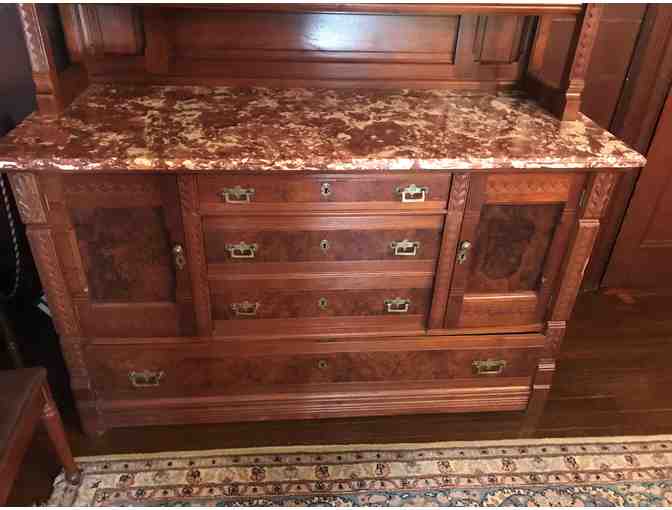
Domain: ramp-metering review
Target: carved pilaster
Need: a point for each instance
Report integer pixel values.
(27, 197)
(35, 37)
(584, 49)
(577, 261)
(55, 87)
(58, 297)
(456, 203)
(193, 231)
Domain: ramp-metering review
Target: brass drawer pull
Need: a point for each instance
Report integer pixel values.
(242, 250)
(237, 195)
(489, 366)
(405, 248)
(397, 305)
(145, 378)
(324, 245)
(325, 189)
(322, 364)
(245, 309)
(179, 257)
(323, 303)
(413, 193)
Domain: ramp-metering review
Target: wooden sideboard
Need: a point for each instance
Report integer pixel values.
(220, 253)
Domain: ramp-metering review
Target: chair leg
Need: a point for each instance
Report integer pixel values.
(54, 425)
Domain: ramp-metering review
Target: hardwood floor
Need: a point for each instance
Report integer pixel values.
(612, 379)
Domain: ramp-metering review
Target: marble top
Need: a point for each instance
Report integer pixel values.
(112, 127)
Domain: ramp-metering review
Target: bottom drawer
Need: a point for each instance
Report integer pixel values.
(200, 369)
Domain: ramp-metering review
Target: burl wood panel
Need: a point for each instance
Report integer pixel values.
(205, 369)
(126, 253)
(510, 247)
(292, 304)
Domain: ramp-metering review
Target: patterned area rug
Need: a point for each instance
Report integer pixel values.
(617, 471)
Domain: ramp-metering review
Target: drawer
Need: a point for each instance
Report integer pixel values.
(302, 305)
(409, 191)
(249, 240)
(252, 303)
(209, 368)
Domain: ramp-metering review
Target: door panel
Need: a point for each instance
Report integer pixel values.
(125, 229)
(641, 257)
(514, 233)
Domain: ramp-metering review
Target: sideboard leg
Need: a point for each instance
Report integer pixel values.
(541, 387)
(54, 425)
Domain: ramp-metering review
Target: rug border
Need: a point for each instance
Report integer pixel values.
(303, 448)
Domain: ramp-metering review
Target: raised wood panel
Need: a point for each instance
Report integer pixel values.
(131, 320)
(312, 36)
(510, 247)
(121, 29)
(500, 39)
(553, 40)
(501, 310)
(125, 263)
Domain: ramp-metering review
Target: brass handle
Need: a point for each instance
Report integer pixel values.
(145, 378)
(413, 193)
(323, 303)
(325, 189)
(237, 195)
(397, 305)
(463, 252)
(322, 364)
(245, 309)
(489, 366)
(405, 248)
(179, 258)
(242, 250)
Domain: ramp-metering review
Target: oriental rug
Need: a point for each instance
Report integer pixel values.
(615, 471)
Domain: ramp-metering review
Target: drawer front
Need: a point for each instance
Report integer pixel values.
(252, 303)
(141, 371)
(249, 192)
(321, 239)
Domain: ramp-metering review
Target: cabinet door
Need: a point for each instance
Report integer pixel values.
(514, 233)
(130, 273)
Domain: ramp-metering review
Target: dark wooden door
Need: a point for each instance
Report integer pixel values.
(126, 261)
(513, 237)
(642, 257)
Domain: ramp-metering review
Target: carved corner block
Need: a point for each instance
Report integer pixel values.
(28, 199)
(601, 187)
(555, 333)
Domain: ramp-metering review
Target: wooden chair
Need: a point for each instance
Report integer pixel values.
(25, 399)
